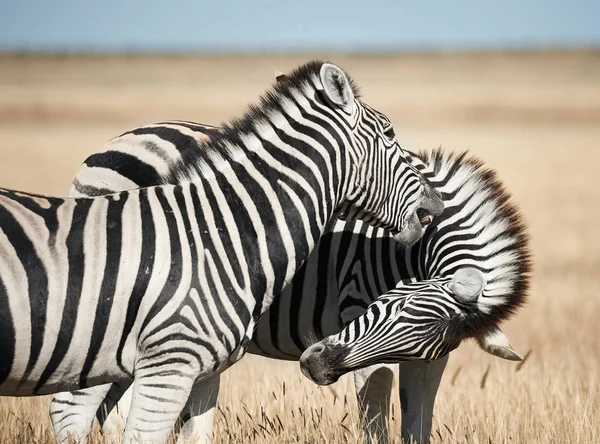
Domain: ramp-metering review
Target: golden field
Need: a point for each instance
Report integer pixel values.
(534, 117)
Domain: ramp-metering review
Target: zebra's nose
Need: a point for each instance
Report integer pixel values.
(310, 358)
(312, 366)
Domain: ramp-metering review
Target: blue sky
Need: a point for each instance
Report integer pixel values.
(293, 25)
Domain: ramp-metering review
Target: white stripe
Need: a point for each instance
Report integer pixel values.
(102, 178)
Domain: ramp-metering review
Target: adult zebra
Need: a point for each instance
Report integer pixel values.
(352, 264)
(476, 260)
(187, 269)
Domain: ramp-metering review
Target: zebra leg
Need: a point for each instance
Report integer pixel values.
(419, 382)
(159, 395)
(373, 389)
(72, 413)
(199, 412)
(111, 419)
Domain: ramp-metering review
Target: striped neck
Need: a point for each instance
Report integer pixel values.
(285, 164)
(293, 138)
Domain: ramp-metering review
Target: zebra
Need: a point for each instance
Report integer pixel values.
(476, 266)
(342, 266)
(186, 270)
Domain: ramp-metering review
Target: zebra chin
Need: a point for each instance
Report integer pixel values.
(429, 205)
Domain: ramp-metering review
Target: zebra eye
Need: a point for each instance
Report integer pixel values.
(389, 132)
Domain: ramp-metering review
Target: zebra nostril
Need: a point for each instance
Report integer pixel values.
(316, 349)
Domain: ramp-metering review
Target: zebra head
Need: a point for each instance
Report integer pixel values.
(473, 269)
(381, 186)
(389, 191)
(424, 320)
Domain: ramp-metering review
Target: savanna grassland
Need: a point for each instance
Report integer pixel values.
(534, 117)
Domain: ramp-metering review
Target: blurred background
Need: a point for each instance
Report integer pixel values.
(515, 82)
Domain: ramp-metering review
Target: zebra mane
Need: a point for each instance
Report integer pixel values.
(234, 134)
(483, 228)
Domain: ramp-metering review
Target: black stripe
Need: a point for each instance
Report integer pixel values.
(375, 262)
(175, 270)
(324, 253)
(7, 335)
(387, 246)
(114, 236)
(37, 278)
(297, 295)
(131, 167)
(144, 273)
(182, 142)
(76, 258)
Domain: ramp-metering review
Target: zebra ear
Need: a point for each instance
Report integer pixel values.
(467, 284)
(279, 76)
(337, 86)
(495, 342)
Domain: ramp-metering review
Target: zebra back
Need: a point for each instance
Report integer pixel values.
(142, 157)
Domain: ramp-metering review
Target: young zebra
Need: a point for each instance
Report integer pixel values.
(352, 264)
(164, 285)
(476, 260)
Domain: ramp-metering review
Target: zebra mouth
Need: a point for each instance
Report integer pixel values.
(424, 216)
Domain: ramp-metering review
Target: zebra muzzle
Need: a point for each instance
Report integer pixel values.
(318, 363)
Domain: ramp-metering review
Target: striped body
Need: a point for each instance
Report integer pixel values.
(188, 269)
(352, 264)
(149, 245)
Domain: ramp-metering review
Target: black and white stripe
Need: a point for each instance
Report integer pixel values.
(352, 265)
(473, 264)
(164, 285)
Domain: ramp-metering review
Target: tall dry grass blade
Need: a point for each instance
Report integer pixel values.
(484, 377)
(448, 428)
(439, 434)
(247, 412)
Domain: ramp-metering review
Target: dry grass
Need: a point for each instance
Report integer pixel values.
(533, 117)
